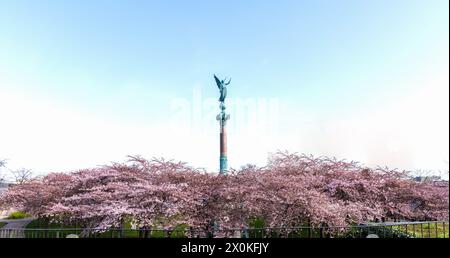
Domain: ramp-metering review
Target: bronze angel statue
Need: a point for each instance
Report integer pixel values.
(222, 87)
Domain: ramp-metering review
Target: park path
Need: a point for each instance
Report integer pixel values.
(14, 228)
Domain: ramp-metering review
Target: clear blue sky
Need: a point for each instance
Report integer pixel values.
(126, 60)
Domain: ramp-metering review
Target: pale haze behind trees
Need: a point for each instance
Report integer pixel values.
(84, 83)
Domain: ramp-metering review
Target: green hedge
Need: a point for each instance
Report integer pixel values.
(18, 215)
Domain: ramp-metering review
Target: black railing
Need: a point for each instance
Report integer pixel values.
(427, 229)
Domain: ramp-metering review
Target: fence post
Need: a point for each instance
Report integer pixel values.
(443, 227)
(429, 230)
(436, 229)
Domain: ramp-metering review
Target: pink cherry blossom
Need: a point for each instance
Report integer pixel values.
(291, 190)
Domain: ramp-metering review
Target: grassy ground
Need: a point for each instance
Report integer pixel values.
(2, 224)
(431, 230)
(66, 229)
(41, 223)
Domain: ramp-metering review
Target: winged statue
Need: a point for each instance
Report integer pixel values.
(222, 87)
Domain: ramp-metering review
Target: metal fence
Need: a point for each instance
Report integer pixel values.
(427, 229)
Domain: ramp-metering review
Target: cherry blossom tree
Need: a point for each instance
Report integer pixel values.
(291, 190)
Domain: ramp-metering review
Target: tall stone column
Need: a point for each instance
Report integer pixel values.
(222, 118)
